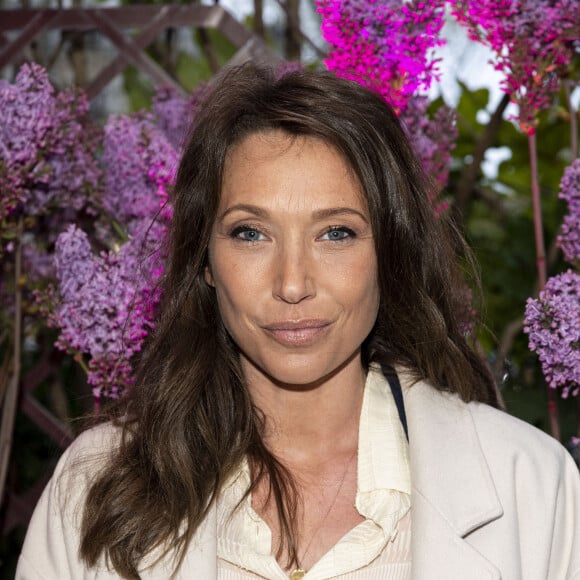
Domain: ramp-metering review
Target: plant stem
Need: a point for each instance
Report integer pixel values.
(11, 396)
(537, 208)
(541, 267)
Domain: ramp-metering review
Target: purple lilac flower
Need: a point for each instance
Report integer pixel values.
(47, 146)
(107, 302)
(569, 239)
(386, 45)
(74, 262)
(27, 117)
(132, 146)
(76, 175)
(552, 322)
(173, 115)
(533, 42)
(38, 264)
(433, 140)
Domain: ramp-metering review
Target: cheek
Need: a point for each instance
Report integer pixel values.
(358, 279)
(237, 289)
(365, 297)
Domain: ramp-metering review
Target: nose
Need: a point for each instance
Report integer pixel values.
(294, 275)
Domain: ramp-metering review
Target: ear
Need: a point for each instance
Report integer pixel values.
(208, 277)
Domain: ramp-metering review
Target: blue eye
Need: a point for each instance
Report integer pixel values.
(246, 234)
(338, 234)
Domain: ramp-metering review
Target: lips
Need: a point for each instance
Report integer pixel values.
(298, 332)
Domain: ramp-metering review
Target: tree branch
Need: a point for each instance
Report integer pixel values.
(467, 180)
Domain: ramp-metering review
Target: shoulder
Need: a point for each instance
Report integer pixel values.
(50, 550)
(514, 435)
(77, 469)
(538, 484)
(516, 449)
(443, 422)
(516, 441)
(87, 454)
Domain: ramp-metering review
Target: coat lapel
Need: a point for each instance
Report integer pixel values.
(453, 491)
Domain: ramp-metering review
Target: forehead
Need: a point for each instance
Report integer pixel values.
(278, 168)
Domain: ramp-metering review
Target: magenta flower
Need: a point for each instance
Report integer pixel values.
(433, 141)
(133, 148)
(533, 42)
(385, 45)
(552, 322)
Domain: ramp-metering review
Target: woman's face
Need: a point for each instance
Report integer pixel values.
(292, 259)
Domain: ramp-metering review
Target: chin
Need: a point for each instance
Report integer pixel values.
(301, 373)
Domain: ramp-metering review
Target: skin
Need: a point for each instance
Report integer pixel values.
(293, 263)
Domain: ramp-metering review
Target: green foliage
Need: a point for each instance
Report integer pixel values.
(138, 88)
(503, 241)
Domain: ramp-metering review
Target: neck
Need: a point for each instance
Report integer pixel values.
(308, 422)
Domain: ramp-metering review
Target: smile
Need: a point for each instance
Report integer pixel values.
(299, 332)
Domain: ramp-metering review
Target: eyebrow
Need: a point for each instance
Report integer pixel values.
(319, 214)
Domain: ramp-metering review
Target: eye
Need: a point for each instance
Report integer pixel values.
(338, 234)
(247, 234)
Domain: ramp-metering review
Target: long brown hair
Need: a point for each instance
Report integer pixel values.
(189, 420)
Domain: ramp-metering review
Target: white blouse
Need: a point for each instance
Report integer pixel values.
(377, 548)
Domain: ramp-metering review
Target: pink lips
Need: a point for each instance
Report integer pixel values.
(297, 332)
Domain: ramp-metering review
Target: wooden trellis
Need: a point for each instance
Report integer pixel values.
(131, 29)
(113, 23)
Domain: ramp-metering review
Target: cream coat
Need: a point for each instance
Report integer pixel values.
(493, 498)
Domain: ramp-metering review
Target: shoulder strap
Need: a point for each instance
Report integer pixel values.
(395, 385)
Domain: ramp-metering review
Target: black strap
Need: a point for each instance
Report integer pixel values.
(395, 385)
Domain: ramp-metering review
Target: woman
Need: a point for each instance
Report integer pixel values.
(267, 435)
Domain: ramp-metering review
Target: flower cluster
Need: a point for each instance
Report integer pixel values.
(569, 239)
(533, 43)
(131, 147)
(47, 146)
(106, 303)
(27, 116)
(56, 169)
(173, 115)
(433, 140)
(385, 45)
(552, 322)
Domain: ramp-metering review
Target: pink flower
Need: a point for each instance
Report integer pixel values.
(385, 45)
(533, 42)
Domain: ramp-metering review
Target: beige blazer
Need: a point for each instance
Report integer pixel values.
(493, 498)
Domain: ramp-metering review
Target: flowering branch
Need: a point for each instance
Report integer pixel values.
(533, 43)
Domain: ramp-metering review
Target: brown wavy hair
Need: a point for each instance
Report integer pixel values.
(189, 420)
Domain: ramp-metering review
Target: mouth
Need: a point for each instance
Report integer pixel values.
(298, 332)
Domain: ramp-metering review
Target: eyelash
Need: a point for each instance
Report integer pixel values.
(237, 232)
(350, 234)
